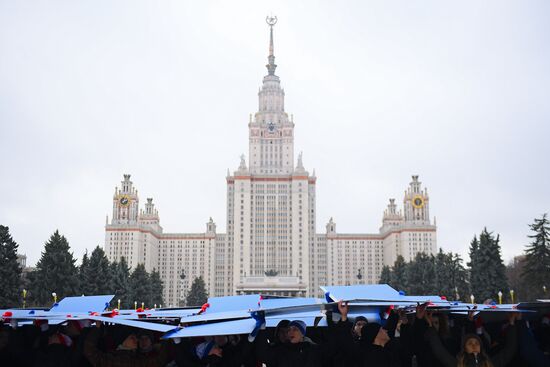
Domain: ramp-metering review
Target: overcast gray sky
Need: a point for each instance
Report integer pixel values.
(456, 92)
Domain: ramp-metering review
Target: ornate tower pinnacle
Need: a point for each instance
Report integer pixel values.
(271, 134)
(271, 21)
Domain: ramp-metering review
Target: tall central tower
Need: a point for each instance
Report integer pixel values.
(271, 203)
(271, 133)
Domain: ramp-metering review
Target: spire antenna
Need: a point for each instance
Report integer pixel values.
(271, 21)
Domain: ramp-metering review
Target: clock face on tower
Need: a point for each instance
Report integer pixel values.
(418, 202)
(124, 200)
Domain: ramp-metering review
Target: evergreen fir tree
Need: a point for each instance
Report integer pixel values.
(181, 288)
(30, 281)
(399, 275)
(487, 271)
(140, 286)
(120, 284)
(156, 288)
(459, 279)
(536, 272)
(84, 275)
(10, 271)
(421, 275)
(475, 271)
(197, 295)
(450, 276)
(443, 274)
(55, 272)
(99, 282)
(385, 275)
(516, 281)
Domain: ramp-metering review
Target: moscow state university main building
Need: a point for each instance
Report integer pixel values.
(271, 245)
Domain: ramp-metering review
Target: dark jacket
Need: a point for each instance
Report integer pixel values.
(529, 350)
(501, 359)
(361, 353)
(303, 354)
(422, 350)
(54, 355)
(119, 358)
(378, 356)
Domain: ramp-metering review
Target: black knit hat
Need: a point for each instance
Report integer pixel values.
(360, 318)
(283, 324)
(369, 332)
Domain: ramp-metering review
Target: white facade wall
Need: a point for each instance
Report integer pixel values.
(319, 265)
(354, 259)
(124, 241)
(223, 266)
(241, 235)
(192, 253)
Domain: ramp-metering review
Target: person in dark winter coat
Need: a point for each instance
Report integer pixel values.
(126, 354)
(8, 351)
(376, 348)
(422, 350)
(225, 351)
(528, 348)
(300, 351)
(373, 348)
(358, 324)
(185, 354)
(297, 352)
(345, 351)
(280, 335)
(56, 353)
(472, 353)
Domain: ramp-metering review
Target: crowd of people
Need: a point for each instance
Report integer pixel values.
(421, 338)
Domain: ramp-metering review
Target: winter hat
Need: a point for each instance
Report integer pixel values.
(203, 349)
(369, 332)
(360, 318)
(283, 323)
(300, 325)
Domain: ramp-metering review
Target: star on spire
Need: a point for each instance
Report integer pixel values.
(271, 21)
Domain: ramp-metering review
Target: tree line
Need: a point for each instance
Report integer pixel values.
(526, 278)
(57, 276)
(485, 278)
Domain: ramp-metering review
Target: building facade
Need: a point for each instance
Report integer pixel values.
(270, 245)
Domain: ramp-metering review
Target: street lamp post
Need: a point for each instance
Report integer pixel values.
(54, 295)
(359, 275)
(24, 298)
(499, 297)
